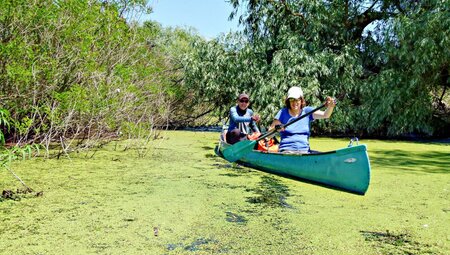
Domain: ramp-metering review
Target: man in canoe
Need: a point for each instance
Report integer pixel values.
(242, 120)
(295, 138)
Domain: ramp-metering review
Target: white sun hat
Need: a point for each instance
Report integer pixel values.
(295, 92)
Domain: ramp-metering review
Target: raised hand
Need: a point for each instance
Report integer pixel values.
(330, 102)
(256, 118)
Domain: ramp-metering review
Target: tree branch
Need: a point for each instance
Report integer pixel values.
(289, 11)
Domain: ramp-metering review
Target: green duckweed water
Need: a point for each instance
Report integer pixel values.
(182, 199)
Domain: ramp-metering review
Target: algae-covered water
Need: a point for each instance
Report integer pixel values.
(182, 199)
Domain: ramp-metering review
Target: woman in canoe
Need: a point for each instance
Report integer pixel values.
(242, 120)
(295, 138)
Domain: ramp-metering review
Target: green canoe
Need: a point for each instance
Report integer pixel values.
(346, 169)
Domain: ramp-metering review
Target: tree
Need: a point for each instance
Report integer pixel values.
(74, 72)
(354, 50)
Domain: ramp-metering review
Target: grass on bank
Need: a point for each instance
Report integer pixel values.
(182, 199)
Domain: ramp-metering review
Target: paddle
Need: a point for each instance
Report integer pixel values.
(240, 149)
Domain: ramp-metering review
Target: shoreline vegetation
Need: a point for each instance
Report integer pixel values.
(182, 199)
(90, 69)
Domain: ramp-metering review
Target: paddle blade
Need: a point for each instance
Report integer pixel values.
(238, 150)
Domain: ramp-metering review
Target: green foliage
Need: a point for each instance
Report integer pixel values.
(4, 124)
(410, 86)
(386, 62)
(77, 69)
(84, 69)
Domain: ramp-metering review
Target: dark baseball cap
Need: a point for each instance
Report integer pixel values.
(243, 95)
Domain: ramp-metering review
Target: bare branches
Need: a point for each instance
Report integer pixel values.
(75, 77)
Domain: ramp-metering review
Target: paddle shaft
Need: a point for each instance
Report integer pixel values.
(290, 123)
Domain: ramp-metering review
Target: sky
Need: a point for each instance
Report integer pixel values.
(208, 17)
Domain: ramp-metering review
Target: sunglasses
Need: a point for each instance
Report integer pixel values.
(243, 101)
(294, 100)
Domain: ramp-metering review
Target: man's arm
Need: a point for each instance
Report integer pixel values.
(236, 118)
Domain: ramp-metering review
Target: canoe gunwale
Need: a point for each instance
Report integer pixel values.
(221, 144)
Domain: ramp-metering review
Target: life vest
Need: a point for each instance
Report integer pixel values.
(253, 136)
(267, 145)
(264, 143)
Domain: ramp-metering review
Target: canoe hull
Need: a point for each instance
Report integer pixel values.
(346, 169)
